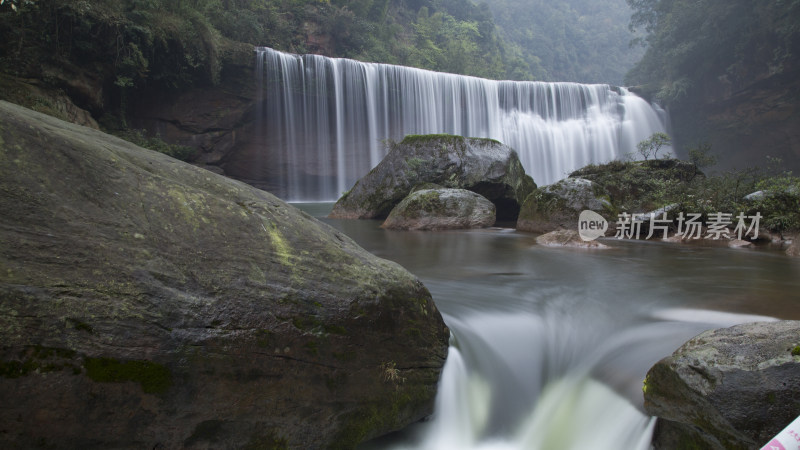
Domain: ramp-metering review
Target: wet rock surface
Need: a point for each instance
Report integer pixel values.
(147, 303)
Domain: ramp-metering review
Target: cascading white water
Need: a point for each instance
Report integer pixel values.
(325, 119)
(550, 346)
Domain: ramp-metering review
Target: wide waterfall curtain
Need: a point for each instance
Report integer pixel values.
(327, 119)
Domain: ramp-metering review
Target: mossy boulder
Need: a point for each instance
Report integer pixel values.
(732, 388)
(638, 186)
(147, 303)
(557, 206)
(483, 166)
(441, 209)
(634, 187)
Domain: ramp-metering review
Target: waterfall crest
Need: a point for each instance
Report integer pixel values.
(325, 119)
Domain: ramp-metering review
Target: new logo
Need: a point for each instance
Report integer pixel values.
(591, 225)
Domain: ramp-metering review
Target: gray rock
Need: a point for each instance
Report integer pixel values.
(484, 166)
(732, 388)
(441, 209)
(757, 195)
(422, 186)
(579, 194)
(656, 213)
(557, 206)
(739, 243)
(567, 238)
(147, 303)
(761, 195)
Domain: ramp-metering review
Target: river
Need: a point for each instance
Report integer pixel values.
(549, 346)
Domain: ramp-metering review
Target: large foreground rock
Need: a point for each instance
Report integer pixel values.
(484, 166)
(441, 209)
(146, 303)
(732, 388)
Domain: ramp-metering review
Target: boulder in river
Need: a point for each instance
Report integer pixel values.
(638, 186)
(483, 166)
(441, 209)
(567, 238)
(557, 206)
(147, 303)
(732, 388)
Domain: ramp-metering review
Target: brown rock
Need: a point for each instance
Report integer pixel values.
(794, 248)
(567, 238)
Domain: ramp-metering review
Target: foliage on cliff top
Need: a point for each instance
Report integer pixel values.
(584, 41)
(176, 43)
(692, 44)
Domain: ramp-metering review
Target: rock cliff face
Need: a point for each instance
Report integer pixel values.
(146, 303)
(483, 166)
(215, 120)
(45, 99)
(745, 122)
(732, 388)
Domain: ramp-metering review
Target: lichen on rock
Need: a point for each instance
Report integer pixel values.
(728, 388)
(557, 206)
(441, 209)
(164, 305)
(483, 166)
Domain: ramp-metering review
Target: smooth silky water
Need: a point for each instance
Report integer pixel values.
(550, 346)
(323, 120)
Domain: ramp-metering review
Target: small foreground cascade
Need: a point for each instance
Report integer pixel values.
(324, 120)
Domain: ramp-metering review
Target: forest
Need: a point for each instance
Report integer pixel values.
(178, 42)
(583, 41)
(698, 58)
(694, 46)
(728, 72)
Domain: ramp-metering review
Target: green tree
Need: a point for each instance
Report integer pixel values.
(651, 146)
(701, 156)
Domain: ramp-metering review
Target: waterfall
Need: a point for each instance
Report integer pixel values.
(326, 120)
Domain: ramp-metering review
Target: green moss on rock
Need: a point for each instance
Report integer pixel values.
(413, 139)
(16, 369)
(269, 441)
(153, 377)
(483, 166)
(195, 279)
(360, 425)
(37, 359)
